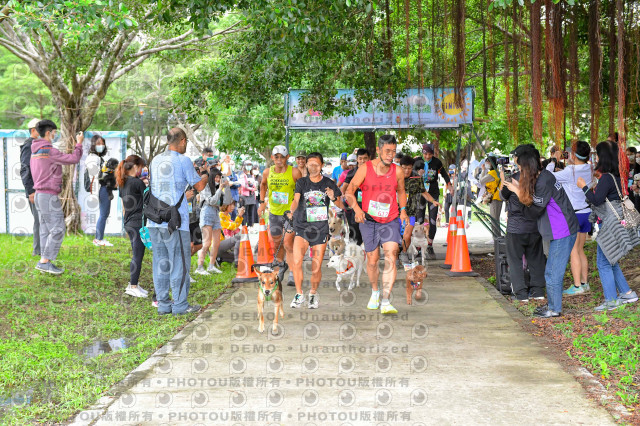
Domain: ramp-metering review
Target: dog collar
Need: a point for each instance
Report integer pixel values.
(414, 285)
(336, 237)
(268, 298)
(350, 265)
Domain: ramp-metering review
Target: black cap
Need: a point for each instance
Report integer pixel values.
(520, 149)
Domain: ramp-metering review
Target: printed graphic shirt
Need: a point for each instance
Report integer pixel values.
(313, 208)
(414, 187)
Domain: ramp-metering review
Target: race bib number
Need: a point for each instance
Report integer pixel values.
(378, 209)
(280, 197)
(316, 214)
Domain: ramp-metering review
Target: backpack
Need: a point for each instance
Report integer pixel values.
(158, 211)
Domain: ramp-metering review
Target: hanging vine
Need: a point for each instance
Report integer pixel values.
(573, 74)
(536, 74)
(595, 69)
(622, 128)
(612, 65)
(459, 51)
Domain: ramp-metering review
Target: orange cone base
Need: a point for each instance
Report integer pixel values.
(445, 266)
(462, 274)
(237, 280)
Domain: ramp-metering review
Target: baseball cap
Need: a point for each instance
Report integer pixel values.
(427, 148)
(352, 160)
(280, 149)
(343, 156)
(301, 154)
(33, 123)
(520, 149)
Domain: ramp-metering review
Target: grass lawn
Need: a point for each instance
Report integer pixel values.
(48, 323)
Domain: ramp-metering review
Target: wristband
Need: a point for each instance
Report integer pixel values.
(402, 208)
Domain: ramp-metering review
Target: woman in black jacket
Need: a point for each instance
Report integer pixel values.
(614, 241)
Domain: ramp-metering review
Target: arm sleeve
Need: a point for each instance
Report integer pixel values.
(602, 189)
(25, 168)
(190, 173)
(486, 179)
(299, 187)
(60, 158)
(444, 174)
(563, 176)
(543, 192)
(505, 193)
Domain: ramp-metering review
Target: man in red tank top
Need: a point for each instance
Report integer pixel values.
(382, 186)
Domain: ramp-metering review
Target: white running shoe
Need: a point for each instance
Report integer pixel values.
(313, 301)
(212, 268)
(191, 280)
(298, 300)
(97, 243)
(135, 292)
(200, 271)
(142, 290)
(106, 243)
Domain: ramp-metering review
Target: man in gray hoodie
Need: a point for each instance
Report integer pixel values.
(46, 170)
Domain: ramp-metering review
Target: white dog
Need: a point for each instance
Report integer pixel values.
(419, 239)
(350, 263)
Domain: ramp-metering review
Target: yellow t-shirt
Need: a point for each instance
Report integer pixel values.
(492, 187)
(281, 190)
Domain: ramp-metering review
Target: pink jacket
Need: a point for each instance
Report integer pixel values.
(46, 165)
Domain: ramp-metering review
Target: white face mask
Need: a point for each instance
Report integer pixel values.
(638, 160)
(255, 172)
(99, 149)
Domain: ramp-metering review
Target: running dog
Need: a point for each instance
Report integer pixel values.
(415, 278)
(350, 263)
(419, 241)
(269, 289)
(338, 232)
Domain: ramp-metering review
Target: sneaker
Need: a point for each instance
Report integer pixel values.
(573, 290)
(374, 301)
(212, 268)
(106, 243)
(191, 280)
(298, 300)
(430, 253)
(142, 290)
(388, 309)
(97, 243)
(586, 287)
(200, 271)
(154, 303)
(628, 298)
(135, 292)
(49, 268)
(545, 312)
(313, 301)
(191, 309)
(609, 305)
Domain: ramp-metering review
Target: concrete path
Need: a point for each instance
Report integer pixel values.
(455, 358)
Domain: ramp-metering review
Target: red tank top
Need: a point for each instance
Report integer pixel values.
(379, 199)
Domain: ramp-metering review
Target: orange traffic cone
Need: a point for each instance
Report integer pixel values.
(245, 260)
(264, 245)
(461, 266)
(451, 240)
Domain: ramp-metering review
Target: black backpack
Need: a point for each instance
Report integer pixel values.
(158, 211)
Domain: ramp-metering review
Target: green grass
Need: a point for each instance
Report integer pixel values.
(46, 321)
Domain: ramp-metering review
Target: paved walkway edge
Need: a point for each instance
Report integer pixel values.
(583, 376)
(92, 414)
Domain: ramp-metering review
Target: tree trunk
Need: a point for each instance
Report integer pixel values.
(595, 67)
(370, 143)
(612, 66)
(70, 116)
(536, 75)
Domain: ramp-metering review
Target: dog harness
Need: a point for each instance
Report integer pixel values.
(350, 266)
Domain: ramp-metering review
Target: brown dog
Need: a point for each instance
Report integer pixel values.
(415, 277)
(269, 289)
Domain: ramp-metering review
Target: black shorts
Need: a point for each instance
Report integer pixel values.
(313, 235)
(196, 233)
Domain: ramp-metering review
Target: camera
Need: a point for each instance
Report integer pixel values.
(502, 160)
(565, 155)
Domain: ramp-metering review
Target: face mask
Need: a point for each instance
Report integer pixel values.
(99, 149)
(632, 158)
(638, 160)
(144, 174)
(255, 172)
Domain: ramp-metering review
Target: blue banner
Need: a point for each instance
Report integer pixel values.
(419, 108)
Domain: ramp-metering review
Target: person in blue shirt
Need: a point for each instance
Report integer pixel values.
(337, 171)
(170, 173)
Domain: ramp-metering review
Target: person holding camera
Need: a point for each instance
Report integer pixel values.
(248, 188)
(546, 201)
(210, 200)
(578, 168)
(46, 169)
(523, 242)
(492, 184)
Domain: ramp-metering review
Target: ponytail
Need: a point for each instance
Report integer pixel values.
(123, 168)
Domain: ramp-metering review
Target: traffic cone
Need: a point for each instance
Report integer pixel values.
(264, 245)
(451, 240)
(461, 266)
(245, 260)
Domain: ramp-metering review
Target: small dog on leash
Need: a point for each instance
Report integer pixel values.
(415, 277)
(107, 176)
(349, 263)
(419, 240)
(269, 289)
(338, 231)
